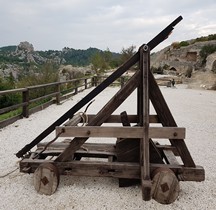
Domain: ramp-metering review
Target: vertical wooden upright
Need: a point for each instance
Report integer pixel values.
(144, 142)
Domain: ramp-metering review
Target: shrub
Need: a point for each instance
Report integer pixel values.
(175, 45)
(158, 70)
(184, 44)
(205, 51)
(166, 67)
(188, 73)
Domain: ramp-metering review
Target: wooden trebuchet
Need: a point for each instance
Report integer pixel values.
(135, 157)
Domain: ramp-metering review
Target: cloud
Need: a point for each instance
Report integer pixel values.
(52, 24)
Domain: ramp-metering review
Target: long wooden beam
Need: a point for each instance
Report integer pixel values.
(112, 169)
(121, 132)
(131, 118)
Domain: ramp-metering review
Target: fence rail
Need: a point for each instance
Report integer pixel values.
(52, 93)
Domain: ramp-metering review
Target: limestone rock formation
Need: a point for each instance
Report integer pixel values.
(211, 62)
(181, 60)
(186, 62)
(68, 72)
(25, 46)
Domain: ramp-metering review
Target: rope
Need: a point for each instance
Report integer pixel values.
(88, 106)
(62, 131)
(84, 117)
(10, 172)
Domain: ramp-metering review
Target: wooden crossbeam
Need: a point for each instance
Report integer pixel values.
(132, 118)
(113, 169)
(88, 150)
(121, 132)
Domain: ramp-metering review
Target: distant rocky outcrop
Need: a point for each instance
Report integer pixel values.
(68, 72)
(24, 60)
(25, 46)
(211, 62)
(17, 62)
(185, 61)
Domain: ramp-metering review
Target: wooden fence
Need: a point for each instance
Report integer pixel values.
(51, 93)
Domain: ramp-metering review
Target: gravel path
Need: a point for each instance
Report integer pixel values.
(193, 109)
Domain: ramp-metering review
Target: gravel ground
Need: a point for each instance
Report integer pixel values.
(193, 109)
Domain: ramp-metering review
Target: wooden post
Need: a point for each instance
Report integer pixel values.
(86, 84)
(144, 142)
(92, 81)
(58, 90)
(122, 81)
(76, 87)
(25, 98)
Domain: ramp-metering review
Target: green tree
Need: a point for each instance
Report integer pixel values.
(98, 63)
(46, 74)
(107, 55)
(127, 53)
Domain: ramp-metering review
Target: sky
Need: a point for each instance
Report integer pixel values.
(113, 24)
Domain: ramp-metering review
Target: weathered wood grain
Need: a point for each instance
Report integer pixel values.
(121, 132)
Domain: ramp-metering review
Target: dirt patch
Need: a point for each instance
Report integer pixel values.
(202, 80)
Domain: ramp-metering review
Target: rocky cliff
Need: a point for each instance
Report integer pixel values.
(21, 60)
(188, 62)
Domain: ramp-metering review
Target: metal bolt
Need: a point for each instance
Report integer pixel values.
(145, 47)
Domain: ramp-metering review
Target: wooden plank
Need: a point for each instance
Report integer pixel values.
(131, 118)
(167, 147)
(184, 173)
(112, 169)
(88, 149)
(89, 146)
(80, 153)
(170, 157)
(121, 132)
(102, 115)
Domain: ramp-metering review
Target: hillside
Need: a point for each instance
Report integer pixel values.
(21, 59)
(194, 61)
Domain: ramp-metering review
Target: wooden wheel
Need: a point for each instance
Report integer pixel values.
(165, 186)
(46, 179)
